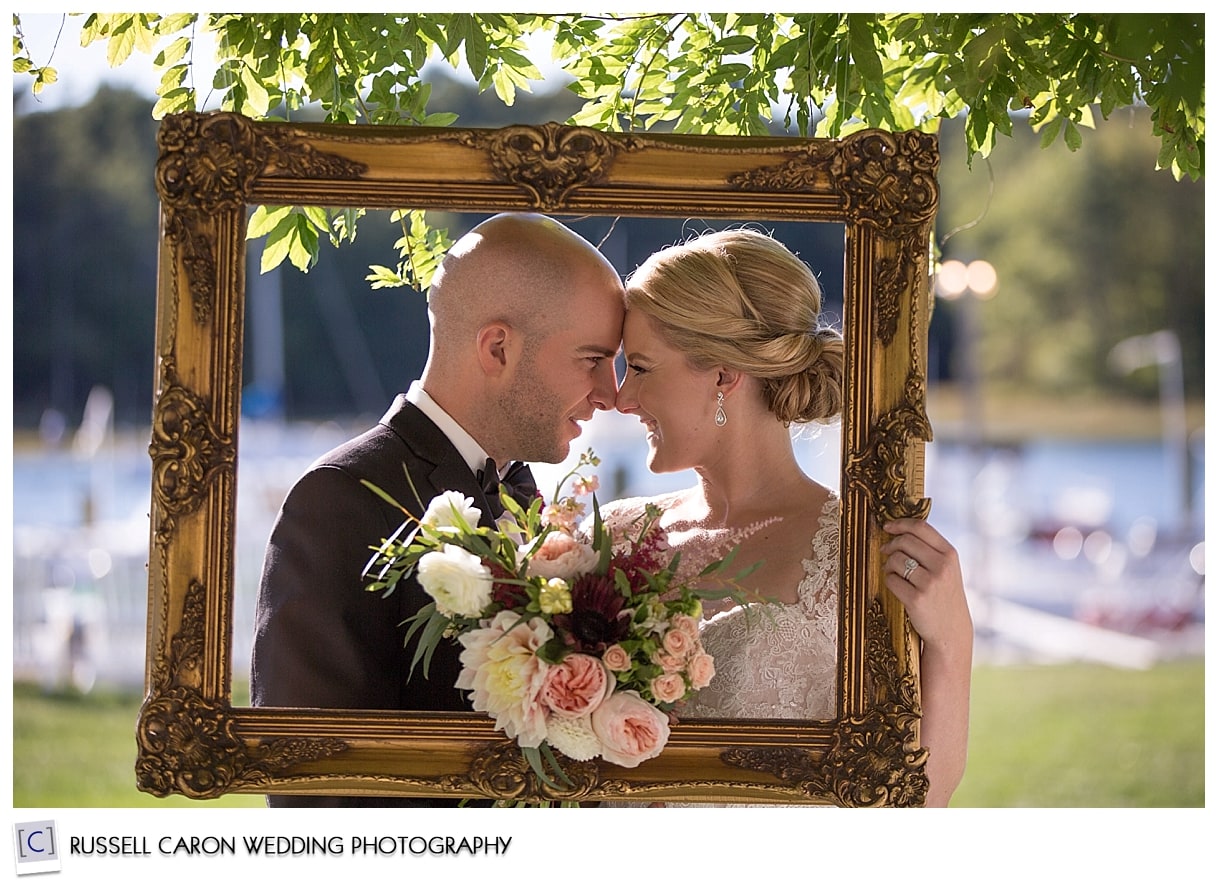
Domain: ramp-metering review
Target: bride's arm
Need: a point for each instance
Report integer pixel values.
(933, 595)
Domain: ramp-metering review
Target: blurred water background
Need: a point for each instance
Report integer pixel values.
(1073, 549)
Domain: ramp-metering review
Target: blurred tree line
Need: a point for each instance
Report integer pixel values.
(1090, 248)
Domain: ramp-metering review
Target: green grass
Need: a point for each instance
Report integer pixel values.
(1086, 736)
(78, 751)
(1062, 735)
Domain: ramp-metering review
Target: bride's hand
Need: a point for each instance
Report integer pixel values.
(932, 588)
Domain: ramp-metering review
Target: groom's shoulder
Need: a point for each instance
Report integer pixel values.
(359, 450)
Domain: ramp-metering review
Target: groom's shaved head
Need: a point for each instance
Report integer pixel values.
(516, 268)
(526, 316)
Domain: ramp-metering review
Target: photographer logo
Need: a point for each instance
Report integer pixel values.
(36, 847)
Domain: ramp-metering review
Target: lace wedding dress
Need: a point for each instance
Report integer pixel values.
(772, 660)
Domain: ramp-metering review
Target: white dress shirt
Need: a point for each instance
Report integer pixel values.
(471, 451)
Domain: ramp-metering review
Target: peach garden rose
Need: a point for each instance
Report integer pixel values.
(630, 730)
(561, 555)
(576, 686)
(688, 624)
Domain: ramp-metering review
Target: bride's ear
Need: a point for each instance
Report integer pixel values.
(727, 379)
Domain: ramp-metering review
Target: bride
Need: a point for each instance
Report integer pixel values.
(724, 350)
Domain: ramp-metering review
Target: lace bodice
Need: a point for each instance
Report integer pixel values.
(772, 660)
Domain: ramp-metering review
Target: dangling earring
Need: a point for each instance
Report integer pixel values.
(720, 413)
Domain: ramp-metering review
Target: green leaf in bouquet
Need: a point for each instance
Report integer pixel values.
(474, 542)
(395, 558)
(552, 652)
(514, 508)
(388, 581)
(622, 583)
(385, 496)
(535, 757)
(719, 565)
(434, 624)
(601, 542)
(747, 571)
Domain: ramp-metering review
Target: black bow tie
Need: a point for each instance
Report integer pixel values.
(518, 482)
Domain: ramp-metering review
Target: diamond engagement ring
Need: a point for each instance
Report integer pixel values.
(910, 566)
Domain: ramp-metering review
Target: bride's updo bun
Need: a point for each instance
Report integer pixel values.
(740, 298)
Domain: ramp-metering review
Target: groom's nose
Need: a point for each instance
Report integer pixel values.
(604, 386)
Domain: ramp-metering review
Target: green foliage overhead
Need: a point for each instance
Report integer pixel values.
(815, 74)
(1089, 250)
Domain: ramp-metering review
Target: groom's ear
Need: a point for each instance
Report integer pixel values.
(494, 342)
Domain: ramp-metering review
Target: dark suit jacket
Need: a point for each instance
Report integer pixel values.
(320, 639)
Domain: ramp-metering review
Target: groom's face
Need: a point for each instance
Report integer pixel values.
(566, 375)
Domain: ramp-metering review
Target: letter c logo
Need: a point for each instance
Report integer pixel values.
(29, 841)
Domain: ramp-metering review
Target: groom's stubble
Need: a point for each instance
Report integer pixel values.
(531, 416)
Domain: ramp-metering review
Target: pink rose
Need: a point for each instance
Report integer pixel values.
(561, 555)
(668, 687)
(701, 669)
(686, 624)
(630, 729)
(668, 662)
(616, 658)
(576, 686)
(678, 643)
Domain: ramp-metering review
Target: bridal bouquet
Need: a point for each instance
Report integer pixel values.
(574, 638)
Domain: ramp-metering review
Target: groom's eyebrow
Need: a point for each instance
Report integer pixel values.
(602, 351)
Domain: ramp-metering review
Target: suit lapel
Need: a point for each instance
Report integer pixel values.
(443, 468)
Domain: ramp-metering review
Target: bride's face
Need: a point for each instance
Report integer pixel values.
(675, 402)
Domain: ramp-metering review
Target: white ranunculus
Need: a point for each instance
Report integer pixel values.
(456, 580)
(446, 511)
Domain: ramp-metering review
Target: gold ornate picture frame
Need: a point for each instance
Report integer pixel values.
(214, 167)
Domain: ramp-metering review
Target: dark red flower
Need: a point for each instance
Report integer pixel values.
(511, 596)
(597, 619)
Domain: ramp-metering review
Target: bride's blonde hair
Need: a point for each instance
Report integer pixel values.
(741, 299)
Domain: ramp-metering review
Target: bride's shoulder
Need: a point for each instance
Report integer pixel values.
(628, 509)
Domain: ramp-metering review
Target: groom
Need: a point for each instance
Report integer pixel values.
(526, 317)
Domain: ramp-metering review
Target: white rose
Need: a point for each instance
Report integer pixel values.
(456, 580)
(446, 511)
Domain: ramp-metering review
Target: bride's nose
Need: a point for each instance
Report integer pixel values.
(627, 397)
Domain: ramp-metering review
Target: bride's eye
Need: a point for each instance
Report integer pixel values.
(638, 369)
